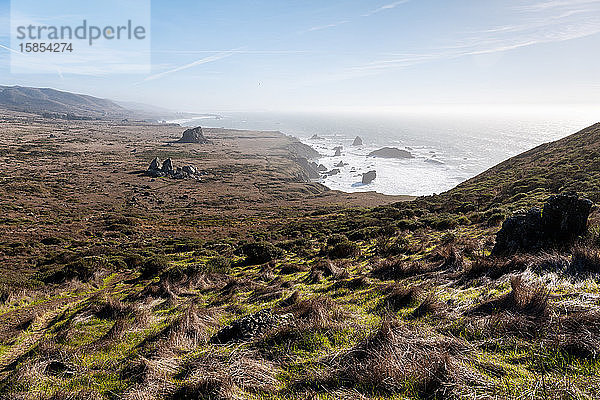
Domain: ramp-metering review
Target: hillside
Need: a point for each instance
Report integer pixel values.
(569, 164)
(251, 283)
(50, 101)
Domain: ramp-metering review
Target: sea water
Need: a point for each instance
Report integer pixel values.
(447, 148)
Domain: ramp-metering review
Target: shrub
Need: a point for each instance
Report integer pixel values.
(392, 246)
(409, 224)
(82, 270)
(344, 249)
(261, 252)
(496, 219)
(463, 220)
(133, 261)
(220, 264)
(154, 266)
(50, 241)
(336, 239)
(369, 232)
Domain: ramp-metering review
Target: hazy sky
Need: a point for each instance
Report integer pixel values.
(353, 54)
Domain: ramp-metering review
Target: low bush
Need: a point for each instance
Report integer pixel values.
(154, 266)
(336, 239)
(219, 264)
(261, 252)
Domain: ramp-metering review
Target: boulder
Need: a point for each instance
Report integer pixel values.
(246, 328)
(369, 177)
(167, 166)
(189, 169)
(155, 165)
(193, 135)
(391, 152)
(357, 141)
(562, 220)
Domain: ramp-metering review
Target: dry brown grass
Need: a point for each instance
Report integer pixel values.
(525, 298)
(220, 377)
(577, 334)
(399, 297)
(585, 261)
(431, 305)
(397, 358)
(397, 268)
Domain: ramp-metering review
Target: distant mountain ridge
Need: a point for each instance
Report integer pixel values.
(51, 101)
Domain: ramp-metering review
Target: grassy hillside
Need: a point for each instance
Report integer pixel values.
(142, 294)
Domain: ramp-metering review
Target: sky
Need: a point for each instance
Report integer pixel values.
(355, 55)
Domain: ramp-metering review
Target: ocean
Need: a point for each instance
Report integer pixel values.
(447, 148)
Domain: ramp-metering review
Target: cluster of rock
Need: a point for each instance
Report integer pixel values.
(246, 328)
(193, 135)
(562, 220)
(166, 168)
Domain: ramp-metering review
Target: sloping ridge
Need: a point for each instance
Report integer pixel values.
(45, 100)
(568, 164)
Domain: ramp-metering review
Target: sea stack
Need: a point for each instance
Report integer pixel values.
(391, 152)
(369, 177)
(193, 135)
(357, 141)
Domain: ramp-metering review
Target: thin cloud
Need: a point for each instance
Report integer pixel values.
(322, 27)
(251, 52)
(386, 7)
(547, 5)
(556, 25)
(9, 49)
(204, 60)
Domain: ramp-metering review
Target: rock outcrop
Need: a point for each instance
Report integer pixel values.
(338, 151)
(193, 135)
(155, 165)
(357, 141)
(246, 328)
(369, 177)
(301, 150)
(334, 171)
(391, 152)
(310, 169)
(562, 220)
(166, 169)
